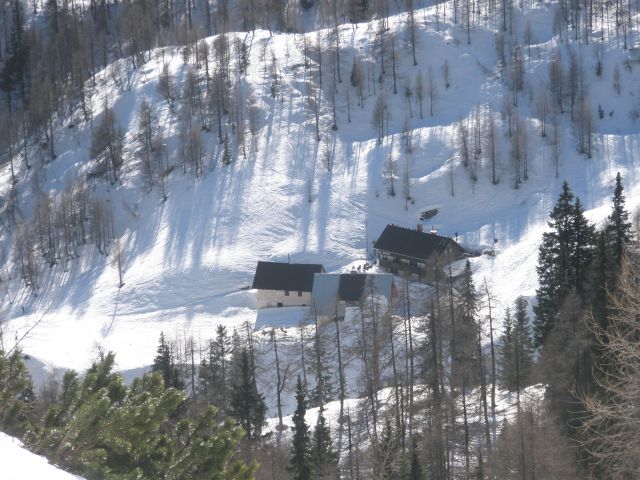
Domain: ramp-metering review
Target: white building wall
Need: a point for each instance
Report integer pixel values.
(271, 298)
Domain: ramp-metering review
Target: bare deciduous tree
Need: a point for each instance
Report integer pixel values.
(611, 429)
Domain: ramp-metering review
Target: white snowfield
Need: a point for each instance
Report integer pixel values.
(188, 261)
(18, 463)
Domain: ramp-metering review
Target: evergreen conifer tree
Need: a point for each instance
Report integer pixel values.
(554, 263)
(213, 374)
(516, 347)
(563, 260)
(300, 464)
(604, 279)
(164, 364)
(524, 341)
(618, 224)
(111, 431)
(582, 249)
(60, 412)
(207, 375)
(324, 461)
(247, 404)
(469, 304)
(162, 361)
(506, 350)
(466, 348)
(17, 399)
(322, 391)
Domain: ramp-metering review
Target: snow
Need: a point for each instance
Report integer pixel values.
(506, 408)
(20, 464)
(283, 317)
(188, 261)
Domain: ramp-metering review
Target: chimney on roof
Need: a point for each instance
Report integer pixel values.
(419, 227)
(433, 230)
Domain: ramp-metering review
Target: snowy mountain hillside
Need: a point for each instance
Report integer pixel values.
(284, 194)
(20, 464)
(157, 157)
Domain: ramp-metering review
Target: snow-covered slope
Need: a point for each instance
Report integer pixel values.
(188, 260)
(17, 463)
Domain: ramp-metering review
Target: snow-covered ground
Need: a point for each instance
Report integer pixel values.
(188, 261)
(506, 408)
(17, 463)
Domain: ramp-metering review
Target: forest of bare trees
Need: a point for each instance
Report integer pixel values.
(441, 395)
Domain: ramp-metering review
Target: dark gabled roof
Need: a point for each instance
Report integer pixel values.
(351, 286)
(411, 242)
(285, 276)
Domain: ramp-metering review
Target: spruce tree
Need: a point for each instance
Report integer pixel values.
(247, 404)
(618, 224)
(524, 341)
(554, 263)
(207, 375)
(466, 328)
(506, 351)
(322, 392)
(324, 461)
(582, 250)
(213, 374)
(164, 364)
(300, 464)
(162, 361)
(604, 279)
(469, 304)
(563, 260)
(17, 399)
(516, 347)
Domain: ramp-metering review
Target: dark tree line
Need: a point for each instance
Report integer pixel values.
(579, 268)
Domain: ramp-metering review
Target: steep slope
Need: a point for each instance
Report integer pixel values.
(188, 259)
(20, 464)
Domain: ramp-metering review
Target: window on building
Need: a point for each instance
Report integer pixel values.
(286, 293)
(299, 293)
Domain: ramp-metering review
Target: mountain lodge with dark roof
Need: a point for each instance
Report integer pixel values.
(284, 284)
(414, 253)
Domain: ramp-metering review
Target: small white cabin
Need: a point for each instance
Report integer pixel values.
(284, 284)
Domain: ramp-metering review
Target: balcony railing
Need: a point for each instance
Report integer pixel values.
(398, 266)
